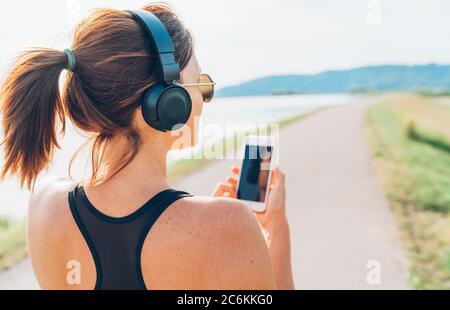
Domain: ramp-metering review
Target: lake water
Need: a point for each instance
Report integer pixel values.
(222, 112)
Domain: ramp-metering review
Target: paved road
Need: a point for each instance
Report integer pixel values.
(20, 277)
(340, 221)
(339, 218)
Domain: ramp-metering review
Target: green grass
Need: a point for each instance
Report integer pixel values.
(435, 93)
(414, 132)
(415, 173)
(12, 242)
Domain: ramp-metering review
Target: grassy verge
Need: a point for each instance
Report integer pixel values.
(408, 137)
(12, 242)
(434, 93)
(437, 140)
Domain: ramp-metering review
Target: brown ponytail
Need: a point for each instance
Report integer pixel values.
(31, 108)
(114, 66)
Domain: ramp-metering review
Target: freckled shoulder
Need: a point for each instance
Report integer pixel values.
(208, 243)
(52, 233)
(49, 199)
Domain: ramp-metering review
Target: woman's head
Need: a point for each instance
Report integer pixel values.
(114, 66)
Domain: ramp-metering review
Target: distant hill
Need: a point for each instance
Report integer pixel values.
(363, 79)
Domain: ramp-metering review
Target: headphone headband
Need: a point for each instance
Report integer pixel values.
(161, 42)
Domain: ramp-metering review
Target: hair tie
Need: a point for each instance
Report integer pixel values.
(71, 63)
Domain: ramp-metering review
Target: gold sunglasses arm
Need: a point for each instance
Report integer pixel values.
(199, 84)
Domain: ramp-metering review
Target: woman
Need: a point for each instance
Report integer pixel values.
(87, 235)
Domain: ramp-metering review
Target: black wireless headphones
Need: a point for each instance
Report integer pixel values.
(166, 105)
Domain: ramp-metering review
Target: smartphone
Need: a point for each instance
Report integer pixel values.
(256, 171)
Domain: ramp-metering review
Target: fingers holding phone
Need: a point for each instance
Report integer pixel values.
(276, 200)
(255, 173)
(227, 189)
(275, 205)
(224, 190)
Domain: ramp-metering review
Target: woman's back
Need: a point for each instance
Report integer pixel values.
(136, 96)
(196, 243)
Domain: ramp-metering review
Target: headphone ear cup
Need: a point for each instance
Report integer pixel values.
(149, 105)
(166, 108)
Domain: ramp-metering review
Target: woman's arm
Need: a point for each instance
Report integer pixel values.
(274, 222)
(280, 253)
(228, 252)
(245, 261)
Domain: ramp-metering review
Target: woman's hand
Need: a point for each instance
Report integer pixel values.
(273, 221)
(227, 189)
(275, 212)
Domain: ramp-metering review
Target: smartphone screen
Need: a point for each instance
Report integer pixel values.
(255, 173)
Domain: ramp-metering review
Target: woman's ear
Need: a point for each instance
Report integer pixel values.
(138, 119)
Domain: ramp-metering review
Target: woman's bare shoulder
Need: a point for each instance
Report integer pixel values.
(225, 216)
(50, 190)
(217, 244)
(48, 202)
(220, 208)
(51, 230)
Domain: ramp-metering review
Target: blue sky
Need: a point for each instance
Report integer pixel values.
(241, 40)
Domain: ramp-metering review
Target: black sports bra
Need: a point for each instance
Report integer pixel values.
(116, 242)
